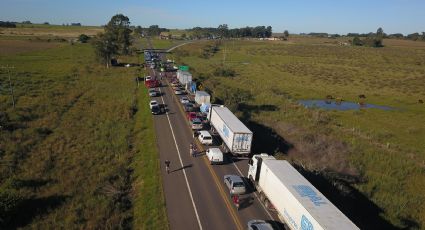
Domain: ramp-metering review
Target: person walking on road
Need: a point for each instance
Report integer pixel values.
(167, 166)
(194, 151)
(191, 149)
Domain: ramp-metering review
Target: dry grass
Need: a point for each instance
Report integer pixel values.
(10, 47)
(385, 148)
(68, 150)
(50, 31)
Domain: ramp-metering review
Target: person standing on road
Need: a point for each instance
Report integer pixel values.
(167, 166)
(195, 151)
(191, 149)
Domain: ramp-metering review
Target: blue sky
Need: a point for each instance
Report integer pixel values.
(297, 16)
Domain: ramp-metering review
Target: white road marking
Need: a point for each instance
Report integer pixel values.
(181, 163)
(255, 193)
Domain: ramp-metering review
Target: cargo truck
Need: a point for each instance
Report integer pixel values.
(202, 97)
(237, 138)
(297, 202)
(184, 77)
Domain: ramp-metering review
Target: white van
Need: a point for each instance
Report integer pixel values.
(205, 137)
(215, 156)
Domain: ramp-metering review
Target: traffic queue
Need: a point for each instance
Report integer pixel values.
(282, 189)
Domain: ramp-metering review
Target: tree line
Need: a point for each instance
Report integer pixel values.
(223, 31)
(413, 36)
(7, 24)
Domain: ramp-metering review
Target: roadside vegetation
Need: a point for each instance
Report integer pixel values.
(77, 150)
(370, 163)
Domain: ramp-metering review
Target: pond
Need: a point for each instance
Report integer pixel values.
(344, 105)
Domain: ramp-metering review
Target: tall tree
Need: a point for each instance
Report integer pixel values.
(154, 30)
(223, 30)
(268, 32)
(379, 37)
(105, 47)
(118, 29)
(286, 34)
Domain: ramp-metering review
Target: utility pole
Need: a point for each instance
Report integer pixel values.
(10, 83)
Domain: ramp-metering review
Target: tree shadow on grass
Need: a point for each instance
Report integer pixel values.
(33, 207)
(266, 140)
(356, 206)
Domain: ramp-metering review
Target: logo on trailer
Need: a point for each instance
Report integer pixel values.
(307, 191)
(242, 138)
(306, 224)
(225, 131)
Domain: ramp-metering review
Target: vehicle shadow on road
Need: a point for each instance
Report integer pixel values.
(184, 167)
(245, 201)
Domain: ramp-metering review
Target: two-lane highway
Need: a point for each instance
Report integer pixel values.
(195, 195)
(195, 203)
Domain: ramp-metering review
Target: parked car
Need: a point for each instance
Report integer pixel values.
(184, 100)
(153, 92)
(191, 115)
(259, 225)
(178, 92)
(196, 124)
(155, 110)
(188, 107)
(215, 156)
(235, 184)
(153, 103)
(205, 137)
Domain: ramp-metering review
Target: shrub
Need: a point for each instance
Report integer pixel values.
(224, 72)
(9, 205)
(83, 38)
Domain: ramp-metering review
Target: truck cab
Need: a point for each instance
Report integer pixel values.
(254, 166)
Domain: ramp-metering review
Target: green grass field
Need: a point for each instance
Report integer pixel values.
(41, 30)
(78, 150)
(384, 149)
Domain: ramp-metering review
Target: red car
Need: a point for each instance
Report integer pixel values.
(191, 116)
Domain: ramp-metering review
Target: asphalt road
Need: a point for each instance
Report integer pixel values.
(196, 197)
(195, 194)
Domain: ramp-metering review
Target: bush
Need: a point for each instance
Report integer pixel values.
(357, 41)
(83, 38)
(9, 205)
(224, 72)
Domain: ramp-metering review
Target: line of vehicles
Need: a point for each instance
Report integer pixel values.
(282, 189)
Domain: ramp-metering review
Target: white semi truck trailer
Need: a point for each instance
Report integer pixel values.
(298, 203)
(237, 138)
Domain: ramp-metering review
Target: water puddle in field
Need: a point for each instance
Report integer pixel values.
(343, 106)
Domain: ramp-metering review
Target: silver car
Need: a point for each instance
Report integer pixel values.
(152, 92)
(235, 184)
(259, 225)
(178, 92)
(184, 100)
